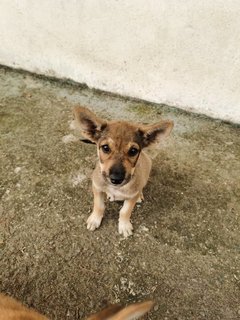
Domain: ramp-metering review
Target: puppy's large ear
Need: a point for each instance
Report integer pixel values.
(90, 125)
(106, 313)
(154, 133)
(131, 312)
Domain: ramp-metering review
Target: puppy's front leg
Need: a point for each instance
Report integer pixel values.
(124, 226)
(95, 218)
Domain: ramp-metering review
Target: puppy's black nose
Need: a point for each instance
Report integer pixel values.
(116, 181)
(117, 174)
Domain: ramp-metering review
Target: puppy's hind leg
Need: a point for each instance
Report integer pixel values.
(95, 218)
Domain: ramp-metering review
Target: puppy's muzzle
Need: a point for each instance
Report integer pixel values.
(117, 174)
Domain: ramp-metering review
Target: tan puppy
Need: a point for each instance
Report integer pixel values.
(11, 309)
(123, 168)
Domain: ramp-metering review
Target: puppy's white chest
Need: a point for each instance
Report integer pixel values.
(110, 197)
(115, 194)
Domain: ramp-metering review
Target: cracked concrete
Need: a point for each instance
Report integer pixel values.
(185, 251)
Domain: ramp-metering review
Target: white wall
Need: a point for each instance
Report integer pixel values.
(184, 53)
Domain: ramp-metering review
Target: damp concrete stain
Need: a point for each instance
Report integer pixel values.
(140, 109)
(185, 251)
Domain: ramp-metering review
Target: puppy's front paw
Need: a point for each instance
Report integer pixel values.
(125, 228)
(93, 221)
(140, 198)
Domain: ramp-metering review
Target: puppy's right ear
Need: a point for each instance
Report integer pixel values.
(90, 125)
(106, 313)
(131, 312)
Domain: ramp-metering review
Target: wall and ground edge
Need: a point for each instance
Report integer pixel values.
(186, 56)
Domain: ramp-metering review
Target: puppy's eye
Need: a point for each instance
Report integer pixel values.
(132, 152)
(106, 148)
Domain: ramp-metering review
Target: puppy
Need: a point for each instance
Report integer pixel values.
(11, 309)
(123, 168)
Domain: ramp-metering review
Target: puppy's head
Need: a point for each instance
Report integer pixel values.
(119, 143)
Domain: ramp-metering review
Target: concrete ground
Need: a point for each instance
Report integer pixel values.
(185, 251)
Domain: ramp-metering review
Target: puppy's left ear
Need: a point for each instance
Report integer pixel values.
(90, 125)
(155, 133)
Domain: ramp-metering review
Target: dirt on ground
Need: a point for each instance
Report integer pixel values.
(185, 251)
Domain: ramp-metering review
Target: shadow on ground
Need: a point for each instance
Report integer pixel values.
(185, 252)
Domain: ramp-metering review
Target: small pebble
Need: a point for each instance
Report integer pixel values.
(155, 308)
(17, 169)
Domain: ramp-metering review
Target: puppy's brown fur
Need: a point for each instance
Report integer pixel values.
(11, 309)
(116, 312)
(123, 168)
